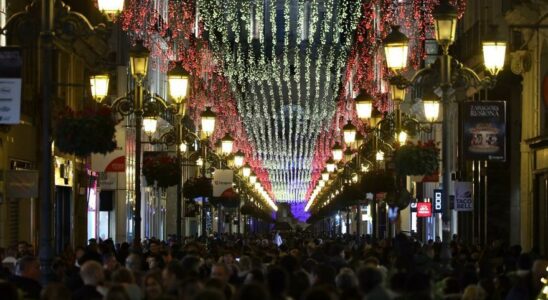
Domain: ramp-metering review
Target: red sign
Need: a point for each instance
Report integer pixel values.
(117, 165)
(424, 209)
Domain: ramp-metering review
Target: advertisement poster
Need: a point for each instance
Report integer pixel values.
(424, 209)
(463, 196)
(222, 181)
(10, 85)
(484, 130)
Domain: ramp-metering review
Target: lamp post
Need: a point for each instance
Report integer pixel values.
(178, 88)
(139, 103)
(208, 126)
(47, 24)
(396, 44)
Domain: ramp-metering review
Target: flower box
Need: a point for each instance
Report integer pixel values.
(86, 132)
(161, 169)
(416, 159)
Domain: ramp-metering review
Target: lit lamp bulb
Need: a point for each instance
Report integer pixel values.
(431, 105)
(337, 152)
(182, 147)
(431, 110)
(99, 87)
(110, 7)
(402, 137)
(239, 159)
(355, 177)
(494, 54)
(252, 178)
(178, 83)
(246, 170)
(330, 165)
(149, 125)
(226, 144)
(208, 121)
(396, 46)
(364, 105)
(379, 156)
(199, 162)
(349, 132)
(325, 175)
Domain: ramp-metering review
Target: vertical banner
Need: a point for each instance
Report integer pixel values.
(484, 130)
(10, 85)
(463, 196)
(222, 181)
(438, 202)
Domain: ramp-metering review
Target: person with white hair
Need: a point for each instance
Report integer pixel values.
(92, 275)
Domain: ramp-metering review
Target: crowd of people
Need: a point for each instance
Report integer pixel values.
(275, 267)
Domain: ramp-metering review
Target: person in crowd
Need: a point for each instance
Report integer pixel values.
(304, 266)
(92, 276)
(172, 275)
(278, 239)
(124, 277)
(55, 291)
(152, 285)
(27, 277)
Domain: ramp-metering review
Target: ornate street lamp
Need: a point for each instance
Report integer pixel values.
(227, 142)
(325, 175)
(330, 165)
(252, 178)
(364, 105)
(402, 137)
(349, 133)
(99, 87)
(110, 7)
(178, 83)
(431, 104)
(246, 170)
(445, 23)
(208, 122)
(396, 46)
(138, 61)
(239, 159)
(337, 152)
(149, 124)
(494, 53)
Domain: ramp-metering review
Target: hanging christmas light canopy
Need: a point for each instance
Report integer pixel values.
(285, 74)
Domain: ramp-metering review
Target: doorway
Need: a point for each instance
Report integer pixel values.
(63, 224)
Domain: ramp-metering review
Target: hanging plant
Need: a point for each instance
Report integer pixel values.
(197, 187)
(162, 169)
(416, 159)
(86, 132)
(400, 198)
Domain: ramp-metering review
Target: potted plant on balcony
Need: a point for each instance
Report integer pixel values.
(196, 187)
(85, 132)
(416, 159)
(163, 169)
